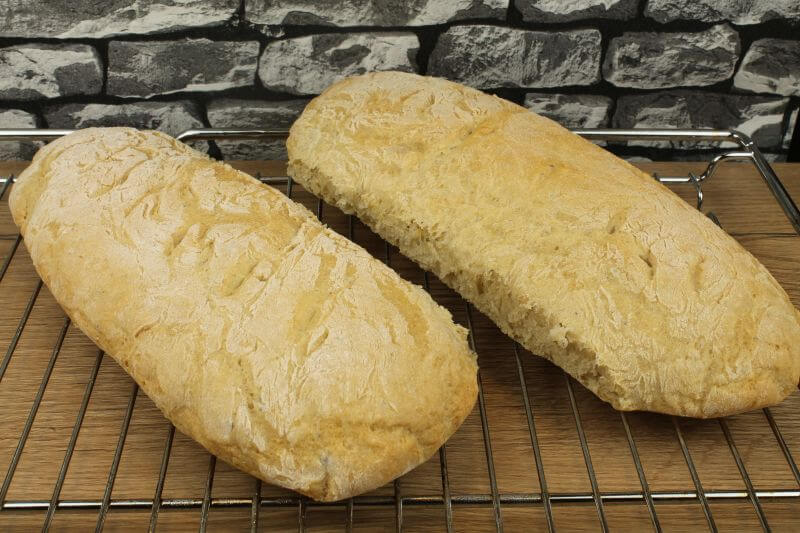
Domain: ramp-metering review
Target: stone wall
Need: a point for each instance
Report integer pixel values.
(176, 64)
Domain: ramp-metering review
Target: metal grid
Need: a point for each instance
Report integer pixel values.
(446, 501)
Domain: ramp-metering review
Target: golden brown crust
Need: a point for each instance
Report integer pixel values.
(575, 253)
(274, 342)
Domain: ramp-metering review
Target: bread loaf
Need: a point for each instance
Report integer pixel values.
(573, 252)
(277, 344)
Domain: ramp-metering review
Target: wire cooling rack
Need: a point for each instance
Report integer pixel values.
(83, 448)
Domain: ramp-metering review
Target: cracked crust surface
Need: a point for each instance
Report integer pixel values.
(277, 344)
(575, 253)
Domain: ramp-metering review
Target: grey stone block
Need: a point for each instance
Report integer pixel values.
(775, 158)
(37, 71)
(790, 126)
(14, 150)
(95, 19)
(561, 11)
(371, 12)
(169, 117)
(761, 117)
(770, 66)
(492, 56)
(572, 110)
(148, 68)
(736, 11)
(307, 65)
(661, 60)
(231, 112)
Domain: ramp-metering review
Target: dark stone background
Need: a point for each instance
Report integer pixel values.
(254, 63)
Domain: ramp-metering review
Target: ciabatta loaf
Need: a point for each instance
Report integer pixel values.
(573, 252)
(277, 344)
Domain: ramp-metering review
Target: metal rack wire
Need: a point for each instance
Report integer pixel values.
(446, 500)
